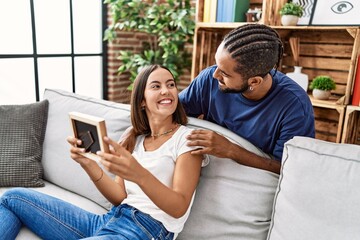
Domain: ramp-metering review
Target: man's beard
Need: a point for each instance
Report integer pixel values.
(243, 89)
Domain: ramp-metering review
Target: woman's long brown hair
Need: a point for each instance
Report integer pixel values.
(139, 119)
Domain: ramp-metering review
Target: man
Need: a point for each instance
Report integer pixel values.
(246, 94)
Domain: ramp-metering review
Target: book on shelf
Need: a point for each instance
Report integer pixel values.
(232, 10)
(210, 7)
(356, 91)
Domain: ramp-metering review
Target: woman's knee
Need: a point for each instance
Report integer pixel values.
(14, 193)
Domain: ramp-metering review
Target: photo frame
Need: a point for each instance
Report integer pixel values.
(308, 6)
(336, 13)
(91, 130)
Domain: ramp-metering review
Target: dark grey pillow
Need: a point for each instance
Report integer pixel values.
(22, 131)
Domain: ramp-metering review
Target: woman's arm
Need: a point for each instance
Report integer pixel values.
(173, 200)
(113, 191)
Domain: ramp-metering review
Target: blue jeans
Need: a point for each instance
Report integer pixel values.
(52, 218)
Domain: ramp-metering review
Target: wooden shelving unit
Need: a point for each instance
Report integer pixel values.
(324, 50)
(351, 131)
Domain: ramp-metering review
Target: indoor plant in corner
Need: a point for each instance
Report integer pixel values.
(322, 86)
(290, 14)
(168, 24)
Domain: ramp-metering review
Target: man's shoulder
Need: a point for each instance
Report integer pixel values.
(207, 72)
(204, 79)
(289, 85)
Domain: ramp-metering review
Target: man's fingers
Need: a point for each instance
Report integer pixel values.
(199, 151)
(195, 143)
(197, 134)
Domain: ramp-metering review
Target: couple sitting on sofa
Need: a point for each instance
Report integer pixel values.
(158, 121)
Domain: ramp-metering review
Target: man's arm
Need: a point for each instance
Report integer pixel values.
(217, 145)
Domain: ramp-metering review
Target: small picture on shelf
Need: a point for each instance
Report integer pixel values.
(335, 12)
(253, 15)
(308, 6)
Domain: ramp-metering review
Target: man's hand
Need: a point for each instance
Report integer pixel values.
(209, 143)
(212, 143)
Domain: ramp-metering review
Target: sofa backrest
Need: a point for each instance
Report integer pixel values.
(232, 201)
(318, 194)
(59, 168)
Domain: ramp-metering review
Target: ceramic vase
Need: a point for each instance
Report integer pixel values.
(300, 78)
(289, 20)
(321, 94)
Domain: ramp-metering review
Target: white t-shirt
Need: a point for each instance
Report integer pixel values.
(161, 163)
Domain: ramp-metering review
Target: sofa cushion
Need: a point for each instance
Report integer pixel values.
(22, 130)
(65, 195)
(232, 201)
(318, 194)
(59, 168)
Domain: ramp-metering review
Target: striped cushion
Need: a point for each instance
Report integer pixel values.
(22, 131)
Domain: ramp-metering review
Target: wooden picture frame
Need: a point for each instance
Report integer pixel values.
(308, 6)
(91, 130)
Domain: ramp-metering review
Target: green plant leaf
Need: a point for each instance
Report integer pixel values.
(169, 25)
(292, 9)
(323, 83)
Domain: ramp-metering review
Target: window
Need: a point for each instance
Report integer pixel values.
(51, 44)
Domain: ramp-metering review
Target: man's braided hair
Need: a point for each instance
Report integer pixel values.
(256, 48)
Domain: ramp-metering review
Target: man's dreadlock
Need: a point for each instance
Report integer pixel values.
(257, 49)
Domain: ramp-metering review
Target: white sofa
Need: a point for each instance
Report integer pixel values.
(316, 198)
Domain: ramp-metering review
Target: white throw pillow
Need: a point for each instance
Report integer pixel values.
(318, 194)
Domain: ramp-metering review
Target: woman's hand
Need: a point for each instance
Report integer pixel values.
(75, 151)
(121, 162)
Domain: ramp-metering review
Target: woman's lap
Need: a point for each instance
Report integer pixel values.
(48, 217)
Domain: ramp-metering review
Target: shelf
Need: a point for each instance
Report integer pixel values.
(334, 102)
(324, 50)
(329, 118)
(230, 25)
(351, 131)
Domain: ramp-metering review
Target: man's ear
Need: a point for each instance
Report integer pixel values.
(255, 81)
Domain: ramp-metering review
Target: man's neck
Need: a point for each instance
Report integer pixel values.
(261, 90)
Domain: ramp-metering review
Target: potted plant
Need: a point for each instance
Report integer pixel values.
(169, 25)
(290, 13)
(321, 86)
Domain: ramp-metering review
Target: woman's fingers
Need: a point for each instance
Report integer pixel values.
(73, 141)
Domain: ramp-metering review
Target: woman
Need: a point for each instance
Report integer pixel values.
(156, 176)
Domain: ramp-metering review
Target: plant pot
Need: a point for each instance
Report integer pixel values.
(289, 20)
(321, 94)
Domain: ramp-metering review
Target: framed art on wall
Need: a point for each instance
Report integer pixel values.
(335, 12)
(308, 6)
